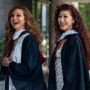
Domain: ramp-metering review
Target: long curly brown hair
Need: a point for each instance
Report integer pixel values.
(30, 26)
(78, 25)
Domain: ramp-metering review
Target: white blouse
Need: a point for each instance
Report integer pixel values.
(58, 69)
(58, 65)
(16, 57)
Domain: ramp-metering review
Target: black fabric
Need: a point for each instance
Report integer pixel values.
(12, 42)
(7, 82)
(74, 66)
(28, 74)
(4, 69)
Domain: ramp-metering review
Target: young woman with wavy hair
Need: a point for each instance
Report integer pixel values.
(30, 26)
(22, 62)
(68, 66)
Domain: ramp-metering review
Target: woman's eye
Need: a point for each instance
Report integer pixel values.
(18, 15)
(12, 15)
(65, 16)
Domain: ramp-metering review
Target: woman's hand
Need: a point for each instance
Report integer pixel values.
(6, 61)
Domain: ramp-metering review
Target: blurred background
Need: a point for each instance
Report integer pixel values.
(43, 12)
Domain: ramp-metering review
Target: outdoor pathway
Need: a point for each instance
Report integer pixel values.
(1, 85)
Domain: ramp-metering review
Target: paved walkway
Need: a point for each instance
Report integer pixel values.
(45, 72)
(1, 85)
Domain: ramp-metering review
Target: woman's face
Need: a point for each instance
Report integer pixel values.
(65, 20)
(18, 20)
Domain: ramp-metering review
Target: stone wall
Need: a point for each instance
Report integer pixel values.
(5, 6)
(2, 84)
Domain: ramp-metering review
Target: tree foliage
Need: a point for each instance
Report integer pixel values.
(1, 54)
(84, 9)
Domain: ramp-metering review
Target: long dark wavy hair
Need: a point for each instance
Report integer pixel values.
(78, 25)
(30, 26)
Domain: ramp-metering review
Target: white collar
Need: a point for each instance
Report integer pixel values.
(67, 33)
(16, 34)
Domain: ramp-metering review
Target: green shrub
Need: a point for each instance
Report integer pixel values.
(1, 54)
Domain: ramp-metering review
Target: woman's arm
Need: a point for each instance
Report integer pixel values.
(75, 71)
(29, 59)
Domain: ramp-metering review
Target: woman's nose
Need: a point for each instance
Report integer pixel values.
(14, 17)
(61, 19)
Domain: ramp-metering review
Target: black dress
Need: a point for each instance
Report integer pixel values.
(74, 66)
(28, 74)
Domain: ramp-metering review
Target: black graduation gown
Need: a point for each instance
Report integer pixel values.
(28, 74)
(74, 66)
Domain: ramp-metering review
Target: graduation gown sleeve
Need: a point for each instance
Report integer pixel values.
(52, 76)
(28, 74)
(29, 59)
(75, 71)
(74, 66)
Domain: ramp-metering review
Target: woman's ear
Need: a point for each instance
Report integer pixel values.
(73, 21)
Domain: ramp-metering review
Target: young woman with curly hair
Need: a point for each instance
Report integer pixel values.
(22, 62)
(68, 66)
